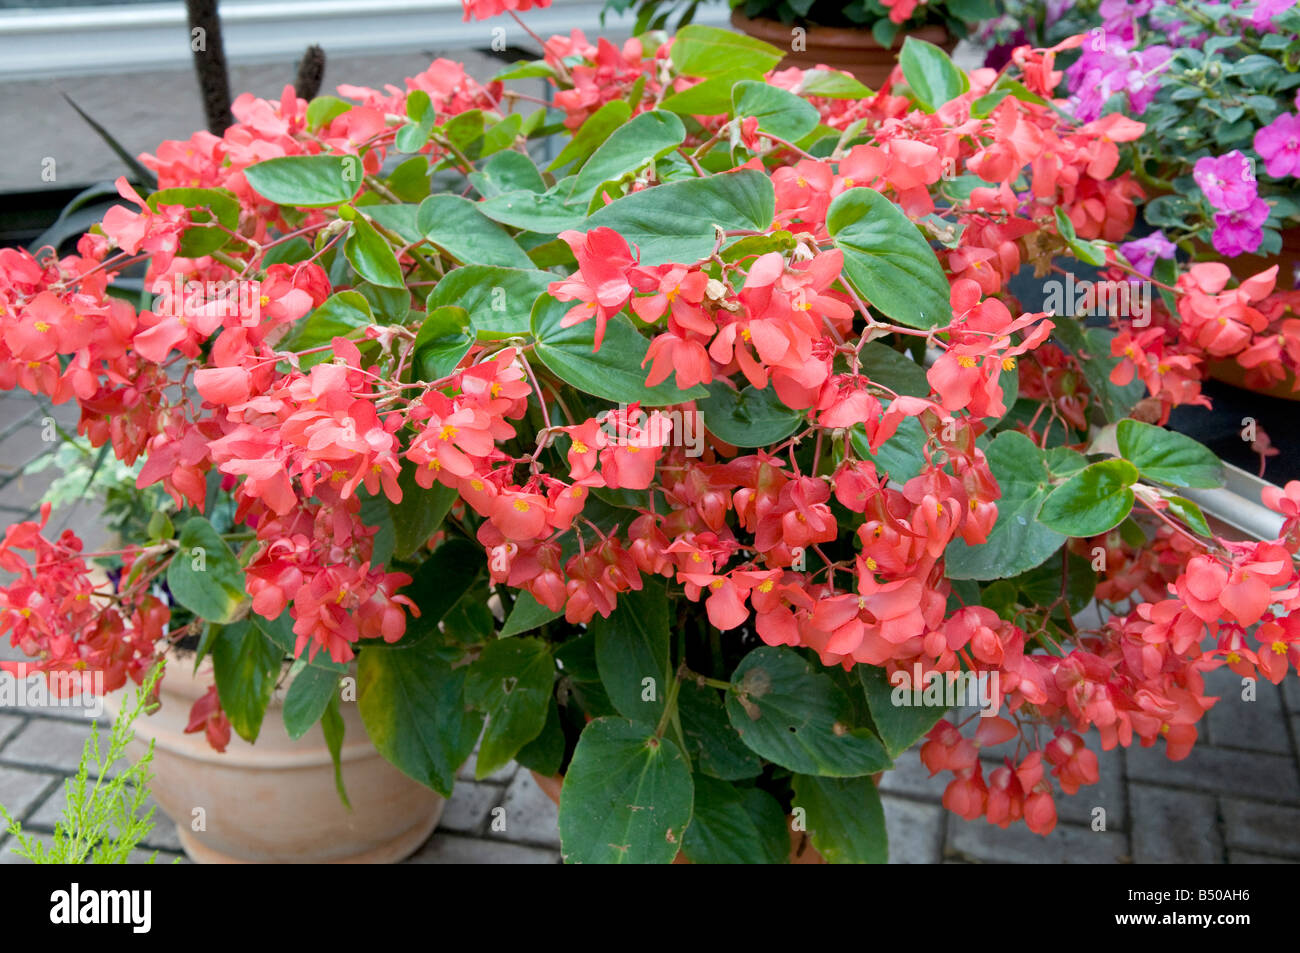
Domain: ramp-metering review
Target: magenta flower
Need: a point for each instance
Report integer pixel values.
(1261, 18)
(1278, 144)
(1100, 73)
(1240, 231)
(1143, 252)
(1228, 181)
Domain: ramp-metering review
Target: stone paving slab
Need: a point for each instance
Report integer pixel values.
(1175, 827)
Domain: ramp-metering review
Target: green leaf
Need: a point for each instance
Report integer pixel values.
(439, 583)
(1017, 541)
(631, 647)
(749, 417)
(678, 221)
(323, 110)
(712, 97)
(459, 227)
(1190, 514)
(306, 181)
(499, 300)
(832, 84)
(1092, 348)
(594, 130)
(627, 796)
(900, 456)
(527, 614)
(846, 821)
(710, 51)
(204, 576)
(614, 372)
(387, 305)
(797, 717)
(632, 146)
(898, 372)
(887, 260)
(333, 727)
(308, 696)
(414, 136)
(412, 703)
(547, 213)
(507, 171)
(933, 77)
(280, 632)
(339, 315)
(899, 726)
(714, 745)
(370, 255)
(510, 682)
(246, 665)
(1042, 586)
(399, 219)
(733, 825)
(1168, 457)
(206, 205)
(779, 112)
(445, 337)
(545, 753)
(420, 513)
(1094, 500)
(1064, 462)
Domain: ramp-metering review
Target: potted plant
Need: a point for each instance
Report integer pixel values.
(1216, 87)
(863, 37)
(706, 467)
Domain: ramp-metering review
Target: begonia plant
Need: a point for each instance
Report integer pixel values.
(706, 464)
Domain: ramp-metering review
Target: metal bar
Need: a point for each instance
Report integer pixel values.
(70, 41)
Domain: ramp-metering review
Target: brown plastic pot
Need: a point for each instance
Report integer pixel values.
(853, 50)
(801, 848)
(276, 802)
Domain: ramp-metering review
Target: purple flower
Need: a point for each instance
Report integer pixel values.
(1056, 9)
(1240, 231)
(1141, 81)
(1278, 144)
(1228, 181)
(1143, 252)
(1119, 17)
(1266, 11)
(1107, 66)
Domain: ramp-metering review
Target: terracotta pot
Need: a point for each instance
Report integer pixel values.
(842, 48)
(275, 802)
(801, 848)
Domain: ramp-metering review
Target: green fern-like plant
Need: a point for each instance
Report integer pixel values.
(105, 820)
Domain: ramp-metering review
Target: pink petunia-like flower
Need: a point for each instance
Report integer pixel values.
(1228, 181)
(1278, 144)
(1240, 232)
